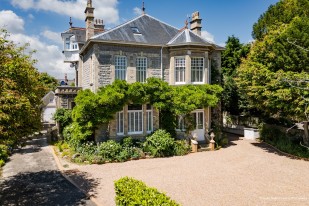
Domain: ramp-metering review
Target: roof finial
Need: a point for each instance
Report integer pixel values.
(143, 7)
(89, 3)
(186, 24)
(71, 23)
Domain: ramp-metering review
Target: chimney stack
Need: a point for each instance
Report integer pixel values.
(89, 20)
(196, 23)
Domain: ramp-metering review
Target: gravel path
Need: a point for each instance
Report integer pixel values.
(31, 177)
(245, 173)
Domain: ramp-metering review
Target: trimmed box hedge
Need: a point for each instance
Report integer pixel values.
(134, 192)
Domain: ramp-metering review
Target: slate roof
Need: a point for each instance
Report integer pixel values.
(187, 37)
(150, 31)
(80, 33)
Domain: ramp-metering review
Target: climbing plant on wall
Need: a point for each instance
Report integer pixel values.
(94, 109)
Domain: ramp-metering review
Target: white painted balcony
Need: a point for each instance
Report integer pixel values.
(71, 56)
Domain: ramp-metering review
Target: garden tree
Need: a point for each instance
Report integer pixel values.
(20, 92)
(272, 61)
(93, 110)
(231, 58)
(48, 81)
(281, 13)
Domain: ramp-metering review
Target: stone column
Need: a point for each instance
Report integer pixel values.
(172, 71)
(144, 120)
(188, 69)
(206, 69)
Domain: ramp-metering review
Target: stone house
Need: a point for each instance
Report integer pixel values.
(134, 51)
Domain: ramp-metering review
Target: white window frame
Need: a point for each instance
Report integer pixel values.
(196, 114)
(149, 120)
(137, 117)
(67, 43)
(180, 70)
(120, 67)
(181, 124)
(197, 71)
(141, 69)
(120, 123)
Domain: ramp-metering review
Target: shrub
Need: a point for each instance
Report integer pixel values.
(109, 150)
(75, 134)
(280, 139)
(63, 116)
(133, 192)
(181, 147)
(159, 144)
(4, 152)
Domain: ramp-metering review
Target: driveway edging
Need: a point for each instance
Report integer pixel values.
(62, 169)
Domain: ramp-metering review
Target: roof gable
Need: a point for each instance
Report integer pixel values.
(150, 31)
(187, 37)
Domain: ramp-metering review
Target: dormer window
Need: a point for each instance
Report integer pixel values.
(135, 30)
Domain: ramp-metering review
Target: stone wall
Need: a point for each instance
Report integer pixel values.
(87, 67)
(104, 62)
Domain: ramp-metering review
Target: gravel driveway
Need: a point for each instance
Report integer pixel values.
(245, 173)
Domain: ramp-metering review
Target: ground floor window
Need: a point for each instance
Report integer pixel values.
(120, 125)
(135, 119)
(180, 123)
(149, 118)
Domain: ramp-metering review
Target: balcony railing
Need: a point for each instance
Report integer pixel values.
(67, 90)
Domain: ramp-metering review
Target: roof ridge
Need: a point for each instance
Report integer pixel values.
(175, 37)
(128, 22)
(188, 37)
(200, 36)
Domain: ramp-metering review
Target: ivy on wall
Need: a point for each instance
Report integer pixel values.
(94, 109)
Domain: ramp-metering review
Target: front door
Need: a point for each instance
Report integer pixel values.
(198, 121)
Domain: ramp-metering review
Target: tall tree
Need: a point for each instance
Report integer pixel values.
(281, 13)
(20, 92)
(231, 58)
(48, 81)
(275, 73)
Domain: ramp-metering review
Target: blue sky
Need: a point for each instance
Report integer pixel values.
(40, 22)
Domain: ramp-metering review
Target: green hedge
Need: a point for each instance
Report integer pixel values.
(134, 192)
(285, 142)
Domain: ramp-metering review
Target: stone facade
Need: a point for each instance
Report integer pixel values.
(65, 96)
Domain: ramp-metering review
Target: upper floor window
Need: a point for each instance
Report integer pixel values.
(67, 43)
(180, 69)
(141, 69)
(75, 46)
(197, 69)
(120, 67)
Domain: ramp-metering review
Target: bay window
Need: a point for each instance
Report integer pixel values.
(180, 69)
(197, 69)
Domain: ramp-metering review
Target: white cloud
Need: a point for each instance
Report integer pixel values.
(53, 36)
(104, 9)
(49, 56)
(11, 22)
(208, 36)
(137, 11)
